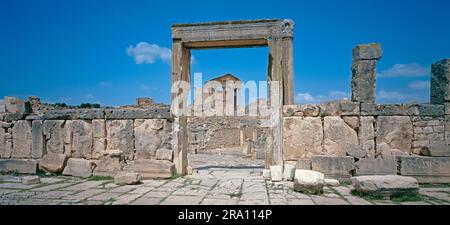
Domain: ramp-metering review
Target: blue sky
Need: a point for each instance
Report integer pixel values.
(87, 51)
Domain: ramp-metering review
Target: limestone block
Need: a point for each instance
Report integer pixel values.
(53, 163)
(303, 164)
(308, 181)
(338, 136)
(164, 154)
(288, 172)
(127, 178)
(2, 142)
(396, 131)
(332, 182)
(426, 169)
(78, 168)
(18, 165)
(21, 139)
(82, 139)
(149, 169)
(147, 139)
(120, 136)
(338, 167)
(54, 134)
(352, 121)
(376, 167)
(29, 180)
(99, 128)
(266, 174)
(108, 166)
(302, 137)
(367, 52)
(99, 146)
(74, 114)
(276, 173)
(37, 139)
(366, 135)
(437, 150)
(387, 185)
(125, 114)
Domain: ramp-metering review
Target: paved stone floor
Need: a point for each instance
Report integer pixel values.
(210, 186)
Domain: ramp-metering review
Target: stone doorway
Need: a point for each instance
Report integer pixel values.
(276, 34)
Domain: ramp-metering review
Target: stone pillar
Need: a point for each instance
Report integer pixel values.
(440, 77)
(181, 57)
(365, 58)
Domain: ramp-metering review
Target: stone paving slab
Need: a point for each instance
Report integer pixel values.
(214, 186)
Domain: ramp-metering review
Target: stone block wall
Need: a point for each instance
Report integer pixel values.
(227, 134)
(344, 128)
(95, 135)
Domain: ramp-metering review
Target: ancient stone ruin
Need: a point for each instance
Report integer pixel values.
(340, 139)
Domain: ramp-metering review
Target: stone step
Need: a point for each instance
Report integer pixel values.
(18, 165)
(150, 169)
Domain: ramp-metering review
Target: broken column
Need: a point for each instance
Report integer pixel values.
(365, 58)
(440, 77)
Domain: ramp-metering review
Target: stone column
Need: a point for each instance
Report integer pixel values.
(440, 77)
(275, 151)
(180, 72)
(365, 58)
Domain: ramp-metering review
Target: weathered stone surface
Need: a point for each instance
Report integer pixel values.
(53, 163)
(338, 136)
(19, 165)
(332, 182)
(127, 178)
(9, 117)
(29, 180)
(355, 151)
(147, 138)
(288, 172)
(108, 166)
(376, 167)
(363, 80)
(366, 136)
(37, 142)
(120, 136)
(440, 78)
(164, 154)
(5, 124)
(303, 164)
(78, 168)
(352, 121)
(384, 151)
(301, 110)
(339, 108)
(121, 114)
(21, 140)
(99, 128)
(426, 169)
(54, 134)
(333, 166)
(302, 137)
(367, 52)
(396, 131)
(437, 150)
(74, 114)
(266, 174)
(386, 184)
(2, 143)
(82, 139)
(149, 169)
(276, 173)
(308, 181)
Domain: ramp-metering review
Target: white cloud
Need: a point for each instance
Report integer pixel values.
(89, 96)
(420, 85)
(307, 98)
(105, 83)
(391, 95)
(145, 53)
(147, 88)
(405, 70)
